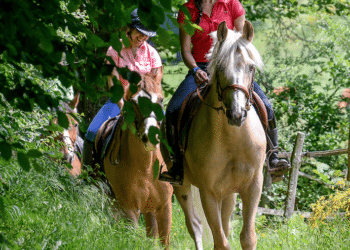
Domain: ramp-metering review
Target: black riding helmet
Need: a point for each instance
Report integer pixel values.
(136, 23)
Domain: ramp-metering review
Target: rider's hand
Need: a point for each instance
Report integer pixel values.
(201, 77)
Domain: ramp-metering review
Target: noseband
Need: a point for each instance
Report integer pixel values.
(221, 92)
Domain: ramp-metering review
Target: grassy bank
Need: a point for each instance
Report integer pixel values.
(51, 210)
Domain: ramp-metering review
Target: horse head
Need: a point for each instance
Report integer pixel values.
(69, 135)
(145, 120)
(233, 60)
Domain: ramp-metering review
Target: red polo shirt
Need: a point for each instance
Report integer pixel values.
(223, 10)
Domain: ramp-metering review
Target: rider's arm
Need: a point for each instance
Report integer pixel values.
(185, 41)
(111, 84)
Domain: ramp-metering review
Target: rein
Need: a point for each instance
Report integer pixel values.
(234, 87)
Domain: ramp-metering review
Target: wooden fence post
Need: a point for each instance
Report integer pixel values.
(293, 176)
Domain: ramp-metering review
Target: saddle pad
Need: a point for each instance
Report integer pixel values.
(189, 109)
(78, 147)
(105, 135)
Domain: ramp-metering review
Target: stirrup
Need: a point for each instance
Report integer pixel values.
(173, 181)
(166, 176)
(278, 172)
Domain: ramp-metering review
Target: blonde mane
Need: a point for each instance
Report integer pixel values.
(221, 54)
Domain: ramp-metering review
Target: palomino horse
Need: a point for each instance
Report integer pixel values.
(70, 137)
(129, 170)
(226, 150)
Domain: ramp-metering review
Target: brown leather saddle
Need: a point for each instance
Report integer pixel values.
(193, 103)
(104, 139)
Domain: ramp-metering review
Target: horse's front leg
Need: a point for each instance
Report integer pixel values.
(227, 208)
(151, 225)
(164, 223)
(212, 210)
(250, 198)
(193, 222)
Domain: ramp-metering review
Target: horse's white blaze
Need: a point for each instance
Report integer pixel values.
(240, 96)
(70, 148)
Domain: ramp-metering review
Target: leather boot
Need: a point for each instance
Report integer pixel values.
(277, 167)
(87, 154)
(175, 174)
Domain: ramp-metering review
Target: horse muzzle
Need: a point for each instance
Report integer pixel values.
(236, 118)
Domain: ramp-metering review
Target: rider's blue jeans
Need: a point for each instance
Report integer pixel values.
(107, 111)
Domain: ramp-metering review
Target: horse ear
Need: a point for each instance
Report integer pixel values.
(74, 103)
(248, 31)
(222, 31)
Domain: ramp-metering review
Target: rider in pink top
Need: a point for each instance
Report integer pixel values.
(139, 57)
(146, 59)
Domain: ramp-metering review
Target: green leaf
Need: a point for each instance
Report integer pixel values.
(95, 40)
(37, 167)
(46, 44)
(133, 88)
(73, 5)
(125, 39)
(145, 105)
(23, 161)
(124, 126)
(2, 209)
(163, 36)
(158, 111)
(129, 112)
(166, 4)
(34, 153)
(115, 42)
(5, 150)
(92, 15)
(54, 127)
(156, 170)
(68, 165)
(165, 143)
(117, 92)
(153, 131)
(134, 77)
(62, 119)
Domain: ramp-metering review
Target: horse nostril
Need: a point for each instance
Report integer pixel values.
(245, 113)
(144, 138)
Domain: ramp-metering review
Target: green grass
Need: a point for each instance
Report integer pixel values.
(52, 210)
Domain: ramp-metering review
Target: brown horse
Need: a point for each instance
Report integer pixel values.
(129, 170)
(226, 149)
(70, 137)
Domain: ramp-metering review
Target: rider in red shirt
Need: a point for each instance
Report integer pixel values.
(208, 14)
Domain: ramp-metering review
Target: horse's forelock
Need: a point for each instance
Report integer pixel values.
(221, 52)
(148, 84)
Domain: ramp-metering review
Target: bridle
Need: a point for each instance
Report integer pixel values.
(70, 146)
(235, 87)
(139, 122)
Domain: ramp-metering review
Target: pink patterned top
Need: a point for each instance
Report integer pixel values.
(145, 60)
